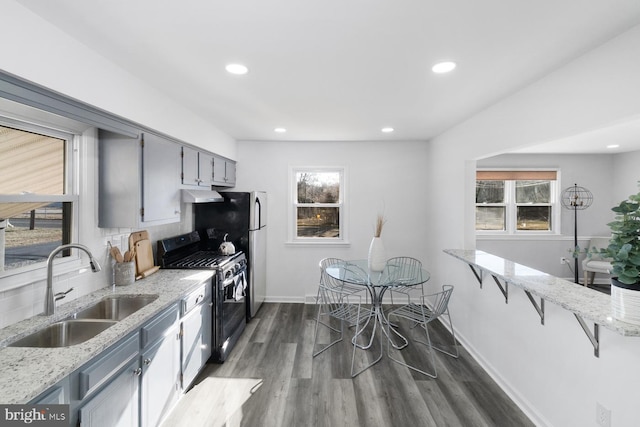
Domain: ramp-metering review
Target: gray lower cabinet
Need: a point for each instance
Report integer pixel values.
(108, 387)
(56, 395)
(117, 404)
(160, 359)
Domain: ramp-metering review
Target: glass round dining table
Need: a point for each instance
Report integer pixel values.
(377, 283)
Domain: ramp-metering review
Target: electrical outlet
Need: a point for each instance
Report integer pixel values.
(564, 260)
(603, 416)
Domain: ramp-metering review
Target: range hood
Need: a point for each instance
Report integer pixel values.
(201, 196)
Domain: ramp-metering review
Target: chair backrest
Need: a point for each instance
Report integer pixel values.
(325, 278)
(598, 243)
(401, 269)
(441, 302)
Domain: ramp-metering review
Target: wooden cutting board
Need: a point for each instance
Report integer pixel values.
(136, 237)
(144, 258)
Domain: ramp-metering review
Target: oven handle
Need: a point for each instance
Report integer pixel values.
(231, 279)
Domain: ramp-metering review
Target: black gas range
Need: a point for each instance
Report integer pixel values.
(189, 251)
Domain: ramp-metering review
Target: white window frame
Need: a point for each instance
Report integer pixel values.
(294, 205)
(16, 277)
(511, 206)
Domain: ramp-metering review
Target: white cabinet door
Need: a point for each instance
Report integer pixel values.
(117, 404)
(205, 169)
(139, 182)
(196, 341)
(224, 172)
(190, 167)
(161, 194)
(160, 377)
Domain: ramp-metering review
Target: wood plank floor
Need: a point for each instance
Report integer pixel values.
(270, 379)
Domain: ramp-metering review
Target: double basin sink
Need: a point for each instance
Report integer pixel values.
(87, 323)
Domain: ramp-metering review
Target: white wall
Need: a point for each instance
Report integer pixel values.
(626, 176)
(382, 177)
(549, 369)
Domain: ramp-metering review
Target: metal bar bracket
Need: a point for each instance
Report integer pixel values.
(504, 289)
(478, 274)
(539, 308)
(593, 337)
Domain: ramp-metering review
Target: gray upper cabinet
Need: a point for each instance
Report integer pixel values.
(224, 172)
(197, 168)
(137, 185)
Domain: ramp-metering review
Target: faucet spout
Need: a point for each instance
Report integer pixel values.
(49, 300)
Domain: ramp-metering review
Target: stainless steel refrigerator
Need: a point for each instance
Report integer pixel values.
(242, 216)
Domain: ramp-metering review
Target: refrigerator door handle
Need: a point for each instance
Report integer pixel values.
(258, 209)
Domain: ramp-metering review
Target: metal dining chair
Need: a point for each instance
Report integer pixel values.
(431, 307)
(342, 302)
(401, 270)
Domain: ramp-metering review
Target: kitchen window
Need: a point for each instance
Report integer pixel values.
(517, 202)
(317, 209)
(37, 199)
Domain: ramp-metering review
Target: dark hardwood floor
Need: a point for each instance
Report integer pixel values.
(270, 379)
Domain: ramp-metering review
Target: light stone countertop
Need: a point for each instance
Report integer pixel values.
(586, 303)
(27, 372)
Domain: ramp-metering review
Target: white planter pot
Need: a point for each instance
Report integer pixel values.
(625, 303)
(377, 255)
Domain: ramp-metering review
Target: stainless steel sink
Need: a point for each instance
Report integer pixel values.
(64, 333)
(115, 308)
(87, 323)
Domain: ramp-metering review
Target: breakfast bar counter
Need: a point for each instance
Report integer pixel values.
(586, 304)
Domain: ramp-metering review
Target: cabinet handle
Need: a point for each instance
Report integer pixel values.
(147, 361)
(137, 372)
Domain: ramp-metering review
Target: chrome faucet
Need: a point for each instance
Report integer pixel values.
(49, 303)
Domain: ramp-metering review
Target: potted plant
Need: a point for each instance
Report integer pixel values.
(624, 250)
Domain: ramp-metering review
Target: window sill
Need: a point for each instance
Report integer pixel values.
(310, 243)
(526, 236)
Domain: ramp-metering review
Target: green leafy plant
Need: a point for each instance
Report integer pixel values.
(624, 246)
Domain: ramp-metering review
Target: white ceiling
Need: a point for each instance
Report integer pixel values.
(340, 69)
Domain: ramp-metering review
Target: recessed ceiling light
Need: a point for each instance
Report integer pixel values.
(613, 146)
(280, 130)
(238, 69)
(387, 130)
(443, 67)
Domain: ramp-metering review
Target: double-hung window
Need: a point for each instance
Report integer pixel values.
(517, 201)
(37, 198)
(318, 209)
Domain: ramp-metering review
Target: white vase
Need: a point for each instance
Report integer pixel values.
(625, 302)
(377, 256)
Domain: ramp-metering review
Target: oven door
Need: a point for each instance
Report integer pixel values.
(230, 311)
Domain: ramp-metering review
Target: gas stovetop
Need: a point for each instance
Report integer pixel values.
(184, 251)
(202, 259)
